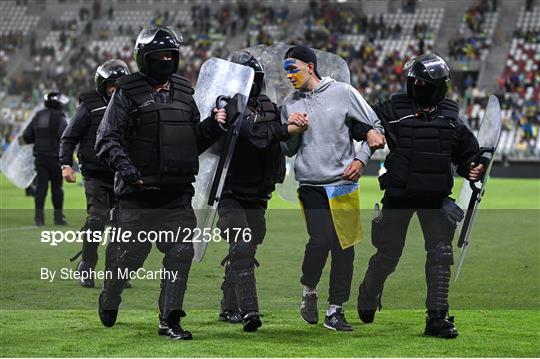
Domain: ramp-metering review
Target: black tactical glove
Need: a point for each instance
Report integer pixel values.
(453, 212)
(233, 109)
(129, 173)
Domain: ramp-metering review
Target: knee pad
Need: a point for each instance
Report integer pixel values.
(242, 256)
(96, 223)
(258, 236)
(133, 257)
(441, 254)
(386, 263)
(179, 255)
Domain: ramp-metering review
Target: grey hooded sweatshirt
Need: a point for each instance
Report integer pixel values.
(326, 148)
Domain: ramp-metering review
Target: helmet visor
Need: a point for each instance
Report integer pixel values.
(148, 33)
(240, 57)
(435, 66)
(58, 97)
(112, 68)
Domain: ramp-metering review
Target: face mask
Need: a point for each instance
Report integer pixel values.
(257, 86)
(422, 92)
(160, 70)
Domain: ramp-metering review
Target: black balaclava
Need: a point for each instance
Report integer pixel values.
(159, 71)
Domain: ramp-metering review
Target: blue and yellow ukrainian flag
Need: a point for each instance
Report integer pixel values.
(344, 203)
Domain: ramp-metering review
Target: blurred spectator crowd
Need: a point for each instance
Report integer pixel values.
(374, 46)
(473, 39)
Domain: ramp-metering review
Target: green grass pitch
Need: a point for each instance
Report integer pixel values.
(496, 300)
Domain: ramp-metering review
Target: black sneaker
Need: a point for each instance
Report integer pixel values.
(230, 316)
(337, 322)
(441, 327)
(40, 222)
(308, 309)
(251, 321)
(86, 282)
(107, 316)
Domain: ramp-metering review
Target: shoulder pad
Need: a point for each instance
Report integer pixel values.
(182, 84)
(449, 108)
(266, 103)
(92, 99)
(126, 81)
(401, 99)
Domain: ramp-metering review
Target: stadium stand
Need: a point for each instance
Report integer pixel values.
(475, 34)
(375, 40)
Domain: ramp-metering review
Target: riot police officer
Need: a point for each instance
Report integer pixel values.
(256, 166)
(98, 178)
(151, 136)
(425, 136)
(45, 131)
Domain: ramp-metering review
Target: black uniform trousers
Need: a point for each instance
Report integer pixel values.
(48, 170)
(389, 231)
(236, 216)
(323, 239)
(155, 210)
(100, 200)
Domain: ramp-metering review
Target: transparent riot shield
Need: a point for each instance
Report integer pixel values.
(219, 81)
(17, 162)
(472, 192)
(277, 87)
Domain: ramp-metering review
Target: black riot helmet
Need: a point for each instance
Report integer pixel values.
(428, 79)
(247, 59)
(108, 72)
(55, 100)
(153, 41)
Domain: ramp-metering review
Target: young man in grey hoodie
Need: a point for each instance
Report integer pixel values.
(326, 163)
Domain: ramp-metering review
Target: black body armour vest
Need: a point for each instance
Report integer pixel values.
(161, 141)
(97, 105)
(255, 171)
(46, 125)
(420, 162)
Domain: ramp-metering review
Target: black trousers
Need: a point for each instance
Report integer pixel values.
(239, 288)
(48, 170)
(155, 210)
(389, 232)
(100, 199)
(323, 239)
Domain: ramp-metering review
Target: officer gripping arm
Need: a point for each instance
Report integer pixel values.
(465, 148)
(263, 135)
(72, 135)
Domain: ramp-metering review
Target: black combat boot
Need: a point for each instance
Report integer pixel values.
(108, 309)
(176, 331)
(438, 325)
(251, 321)
(246, 293)
(229, 304)
(370, 290)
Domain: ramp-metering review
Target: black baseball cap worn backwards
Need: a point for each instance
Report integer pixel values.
(304, 54)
